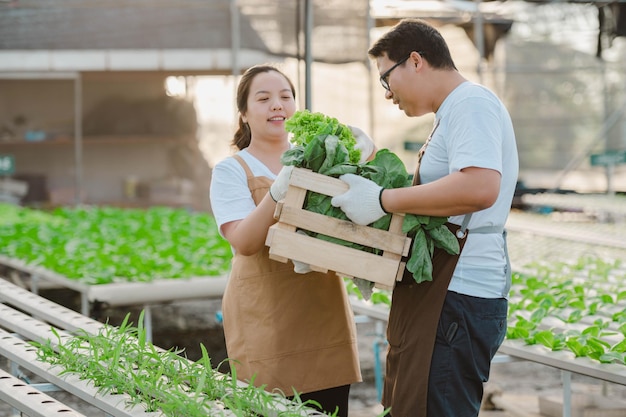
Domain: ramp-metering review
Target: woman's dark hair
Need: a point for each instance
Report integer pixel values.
(243, 136)
(417, 35)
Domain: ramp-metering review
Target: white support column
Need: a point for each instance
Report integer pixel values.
(566, 376)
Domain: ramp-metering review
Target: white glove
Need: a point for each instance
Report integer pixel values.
(363, 143)
(279, 187)
(301, 267)
(361, 202)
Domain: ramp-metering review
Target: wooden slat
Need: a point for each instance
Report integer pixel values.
(320, 253)
(318, 183)
(31, 401)
(362, 235)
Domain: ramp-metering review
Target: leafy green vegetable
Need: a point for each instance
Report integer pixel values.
(325, 146)
(306, 126)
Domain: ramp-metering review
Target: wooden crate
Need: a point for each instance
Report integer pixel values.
(324, 256)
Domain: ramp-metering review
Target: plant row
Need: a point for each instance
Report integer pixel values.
(120, 360)
(99, 245)
(577, 306)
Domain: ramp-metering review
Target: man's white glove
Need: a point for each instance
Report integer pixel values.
(279, 187)
(361, 202)
(301, 267)
(363, 143)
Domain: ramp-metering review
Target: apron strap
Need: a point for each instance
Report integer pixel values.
(508, 272)
(462, 232)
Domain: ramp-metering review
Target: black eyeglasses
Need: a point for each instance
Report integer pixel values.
(384, 79)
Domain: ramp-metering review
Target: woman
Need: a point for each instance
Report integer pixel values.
(288, 332)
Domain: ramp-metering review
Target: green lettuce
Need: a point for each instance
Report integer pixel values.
(306, 126)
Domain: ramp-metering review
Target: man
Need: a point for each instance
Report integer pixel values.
(443, 334)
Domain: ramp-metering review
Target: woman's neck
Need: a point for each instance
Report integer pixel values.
(269, 153)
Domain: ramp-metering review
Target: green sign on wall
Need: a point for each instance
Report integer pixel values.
(413, 146)
(608, 158)
(7, 164)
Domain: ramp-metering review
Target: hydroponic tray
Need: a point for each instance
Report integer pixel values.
(25, 316)
(30, 400)
(604, 234)
(602, 205)
(126, 293)
(23, 354)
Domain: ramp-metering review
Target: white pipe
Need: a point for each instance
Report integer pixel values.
(131, 293)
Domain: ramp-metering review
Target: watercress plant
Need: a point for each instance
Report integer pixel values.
(120, 360)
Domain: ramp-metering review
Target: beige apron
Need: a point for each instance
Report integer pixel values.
(286, 330)
(412, 328)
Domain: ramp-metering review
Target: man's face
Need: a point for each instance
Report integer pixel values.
(401, 81)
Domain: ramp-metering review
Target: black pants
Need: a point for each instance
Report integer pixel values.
(330, 400)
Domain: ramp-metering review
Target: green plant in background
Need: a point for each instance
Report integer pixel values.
(575, 306)
(12, 214)
(99, 245)
(120, 360)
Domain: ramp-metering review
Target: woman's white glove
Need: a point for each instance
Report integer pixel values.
(363, 143)
(279, 187)
(361, 202)
(301, 267)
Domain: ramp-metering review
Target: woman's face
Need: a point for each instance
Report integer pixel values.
(270, 103)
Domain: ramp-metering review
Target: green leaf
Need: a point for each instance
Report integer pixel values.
(607, 299)
(550, 340)
(445, 239)
(579, 349)
(293, 156)
(330, 147)
(538, 315)
(619, 347)
(575, 316)
(612, 357)
(420, 264)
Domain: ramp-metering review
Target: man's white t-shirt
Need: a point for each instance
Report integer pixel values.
(230, 196)
(475, 130)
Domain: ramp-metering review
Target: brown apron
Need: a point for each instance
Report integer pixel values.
(412, 328)
(286, 330)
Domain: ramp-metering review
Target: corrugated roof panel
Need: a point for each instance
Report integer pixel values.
(122, 24)
(340, 28)
(340, 31)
